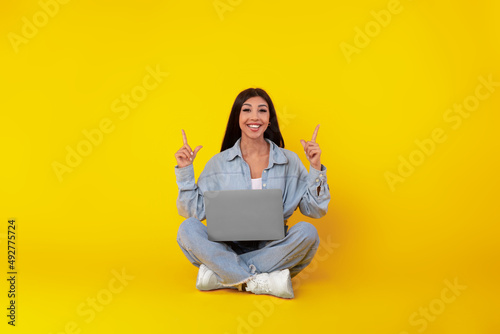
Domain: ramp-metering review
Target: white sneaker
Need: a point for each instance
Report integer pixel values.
(207, 280)
(276, 283)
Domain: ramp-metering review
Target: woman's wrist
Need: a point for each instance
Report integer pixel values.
(318, 167)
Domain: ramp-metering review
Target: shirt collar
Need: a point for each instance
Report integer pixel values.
(276, 156)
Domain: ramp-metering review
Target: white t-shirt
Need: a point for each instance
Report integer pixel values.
(257, 183)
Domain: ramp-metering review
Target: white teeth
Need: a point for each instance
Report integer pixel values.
(254, 126)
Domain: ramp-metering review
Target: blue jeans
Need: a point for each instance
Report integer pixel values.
(236, 262)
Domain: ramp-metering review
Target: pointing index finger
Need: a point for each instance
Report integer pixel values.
(184, 139)
(315, 134)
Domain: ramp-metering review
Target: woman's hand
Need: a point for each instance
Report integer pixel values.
(185, 156)
(312, 150)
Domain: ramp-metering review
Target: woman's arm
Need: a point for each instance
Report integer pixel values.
(314, 202)
(190, 199)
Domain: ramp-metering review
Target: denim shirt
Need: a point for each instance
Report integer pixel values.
(228, 171)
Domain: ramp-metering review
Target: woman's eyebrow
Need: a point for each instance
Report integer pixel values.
(260, 105)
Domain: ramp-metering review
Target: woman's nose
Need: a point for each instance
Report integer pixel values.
(254, 114)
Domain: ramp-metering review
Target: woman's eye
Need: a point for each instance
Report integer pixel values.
(263, 110)
(246, 109)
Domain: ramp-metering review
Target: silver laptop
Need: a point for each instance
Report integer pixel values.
(250, 214)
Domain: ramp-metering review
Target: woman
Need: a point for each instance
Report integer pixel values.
(252, 157)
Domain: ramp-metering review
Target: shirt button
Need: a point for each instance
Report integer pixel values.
(317, 180)
(320, 174)
(264, 184)
(265, 171)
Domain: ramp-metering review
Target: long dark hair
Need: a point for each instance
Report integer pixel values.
(233, 130)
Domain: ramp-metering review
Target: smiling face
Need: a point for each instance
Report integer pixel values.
(254, 117)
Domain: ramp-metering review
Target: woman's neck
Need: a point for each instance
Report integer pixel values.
(254, 147)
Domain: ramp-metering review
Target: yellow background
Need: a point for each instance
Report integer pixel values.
(390, 251)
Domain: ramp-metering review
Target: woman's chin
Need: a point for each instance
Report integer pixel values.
(254, 135)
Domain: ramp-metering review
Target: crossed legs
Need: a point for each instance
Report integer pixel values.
(294, 252)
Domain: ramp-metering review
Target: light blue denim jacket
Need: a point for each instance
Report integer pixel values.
(228, 171)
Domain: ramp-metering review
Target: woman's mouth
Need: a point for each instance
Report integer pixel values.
(254, 127)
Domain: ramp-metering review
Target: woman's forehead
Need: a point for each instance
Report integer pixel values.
(256, 100)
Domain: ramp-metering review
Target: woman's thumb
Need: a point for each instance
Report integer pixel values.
(197, 148)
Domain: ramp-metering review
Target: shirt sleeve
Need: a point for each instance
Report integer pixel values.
(190, 200)
(314, 204)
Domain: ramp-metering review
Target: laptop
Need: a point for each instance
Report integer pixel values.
(248, 214)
